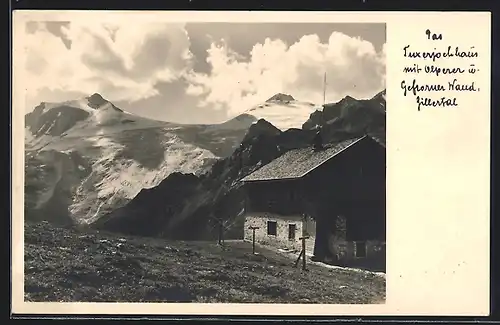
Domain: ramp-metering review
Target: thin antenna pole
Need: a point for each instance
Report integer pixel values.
(324, 90)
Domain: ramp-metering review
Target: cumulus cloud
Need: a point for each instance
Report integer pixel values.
(135, 65)
(353, 67)
(124, 62)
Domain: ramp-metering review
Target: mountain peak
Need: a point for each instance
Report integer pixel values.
(96, 100)
(96, 95)
(261, 127)
(281, 98)
(242, 121)
(348, 98)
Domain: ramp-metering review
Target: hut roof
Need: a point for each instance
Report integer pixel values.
(299, 162)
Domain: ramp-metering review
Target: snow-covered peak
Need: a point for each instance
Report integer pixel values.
(280, 97)
(86, 116)
(285, 114)
(88, 104)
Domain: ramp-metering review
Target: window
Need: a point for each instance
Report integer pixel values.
(360, 249)
(271, 228)
(291, 231)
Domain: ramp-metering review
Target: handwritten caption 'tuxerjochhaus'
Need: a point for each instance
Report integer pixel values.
(450, 80)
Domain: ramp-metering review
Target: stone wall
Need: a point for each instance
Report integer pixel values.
(280, 240)
(347, 250)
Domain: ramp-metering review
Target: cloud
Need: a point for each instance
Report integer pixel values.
(353, 67)
(124, 62)
(135, 65)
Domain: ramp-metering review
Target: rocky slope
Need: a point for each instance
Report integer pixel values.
(86, 157)
(351, 114)
(216, 197)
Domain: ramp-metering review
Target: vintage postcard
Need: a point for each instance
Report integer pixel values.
(251, 163)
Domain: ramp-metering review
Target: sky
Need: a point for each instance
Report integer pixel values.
(201, 72)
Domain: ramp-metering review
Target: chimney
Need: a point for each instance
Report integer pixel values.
(318, 140)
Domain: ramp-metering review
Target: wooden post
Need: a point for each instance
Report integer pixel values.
(220, 232)
(253, 237)
(298, 258)
(303, 253)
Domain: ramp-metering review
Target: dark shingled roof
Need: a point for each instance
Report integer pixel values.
(298, 162)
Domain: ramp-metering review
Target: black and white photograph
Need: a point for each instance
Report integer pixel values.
(205, 162)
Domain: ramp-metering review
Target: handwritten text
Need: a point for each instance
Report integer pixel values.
(450, 79)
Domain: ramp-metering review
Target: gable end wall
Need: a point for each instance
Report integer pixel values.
(281, 239)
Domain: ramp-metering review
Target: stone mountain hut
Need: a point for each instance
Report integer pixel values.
(334, 194)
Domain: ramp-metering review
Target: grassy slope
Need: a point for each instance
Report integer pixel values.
(69, 265)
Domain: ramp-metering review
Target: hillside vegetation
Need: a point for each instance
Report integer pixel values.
(69, 265)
